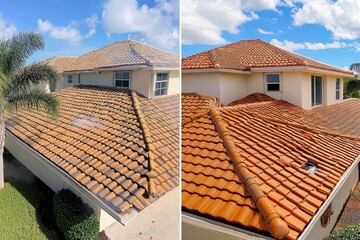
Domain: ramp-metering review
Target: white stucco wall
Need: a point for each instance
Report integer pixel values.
(232, 87)
(141, 81)
(205, 83)
(51, 177)
(174, 83)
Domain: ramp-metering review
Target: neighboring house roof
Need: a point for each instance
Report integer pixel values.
(125, 53)
(60, 62)
(246, 55)
(242, 164)
(115, 143)
(343, 116)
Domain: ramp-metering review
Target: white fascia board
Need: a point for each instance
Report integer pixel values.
(310, 227)
(223, 228)
(216, 70)
(122, 218)
(301, 69)
(119, 68)
(161, 68)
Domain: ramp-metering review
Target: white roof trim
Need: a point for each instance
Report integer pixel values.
(161, 68)
(215, 226)
(96, 70)
(122, 218)
(301, 68)
(209, 70)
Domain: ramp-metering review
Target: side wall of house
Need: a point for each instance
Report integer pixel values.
(233, 86)
(205, 83)
(54, 179)
(290, 86)
(330, 90)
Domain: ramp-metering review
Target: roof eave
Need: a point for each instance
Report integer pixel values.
(312, 224)
(121, 217)
(101, 69)
(213, 225)
(301, 69)
(216, 70)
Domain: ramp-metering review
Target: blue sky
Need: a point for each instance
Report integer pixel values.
(75, 27)
(325, 30)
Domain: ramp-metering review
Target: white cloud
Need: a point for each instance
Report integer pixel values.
(92, 21)
(6, 31)
(292, 46)
(204, 23)
(70, 33)
(258, 5)
(156, 25)
(340, 17)
(262, 31)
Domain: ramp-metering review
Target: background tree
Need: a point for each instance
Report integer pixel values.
(19, 85)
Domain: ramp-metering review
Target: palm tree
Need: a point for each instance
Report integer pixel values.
(356, 68)
(19, 84)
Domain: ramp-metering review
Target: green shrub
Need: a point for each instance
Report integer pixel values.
(73, 218)
(351, 232)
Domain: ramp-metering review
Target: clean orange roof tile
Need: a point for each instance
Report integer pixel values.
(247, 135)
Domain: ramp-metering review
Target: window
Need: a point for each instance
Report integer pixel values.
(79, 81)
(273, 82)
(122, 79)
(337, 88)
(70, 78)
(316, 90)
(161, 84)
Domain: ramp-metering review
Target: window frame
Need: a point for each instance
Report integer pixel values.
(122, 79)
(337, 88)
(161, 81)
(313, 89)
(70, 81)
(272, 83)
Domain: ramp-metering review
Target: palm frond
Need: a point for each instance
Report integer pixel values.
(4, 85)
(31, 76)
(355, 67)
(18, 49)
(35, 99)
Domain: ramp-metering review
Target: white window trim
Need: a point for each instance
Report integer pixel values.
(338, 90)
(322, 95)
(154, 86)
(72, 79)
(130, 76)
(266, 83)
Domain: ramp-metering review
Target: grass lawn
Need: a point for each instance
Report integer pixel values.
(19, 214)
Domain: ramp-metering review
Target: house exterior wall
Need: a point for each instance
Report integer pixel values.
(295, 87)
(205, 83)
(141, 82)
(174, 83)
(51, 177)
(232, 86)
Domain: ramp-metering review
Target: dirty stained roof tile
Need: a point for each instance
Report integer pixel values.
(98, 141)
(273, 145)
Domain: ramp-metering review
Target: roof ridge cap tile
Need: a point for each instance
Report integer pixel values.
(276, 226)
(148, 144)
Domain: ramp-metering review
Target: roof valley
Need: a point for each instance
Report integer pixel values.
(151, 190)
(276, 226)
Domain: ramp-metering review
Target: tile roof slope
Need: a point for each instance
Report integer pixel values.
(162, 117)
(124, 53)
(194, 105)
(273, 151)
(247, 54)
(97, 141)
(343, 116)
(60, 62)
(252, 98)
